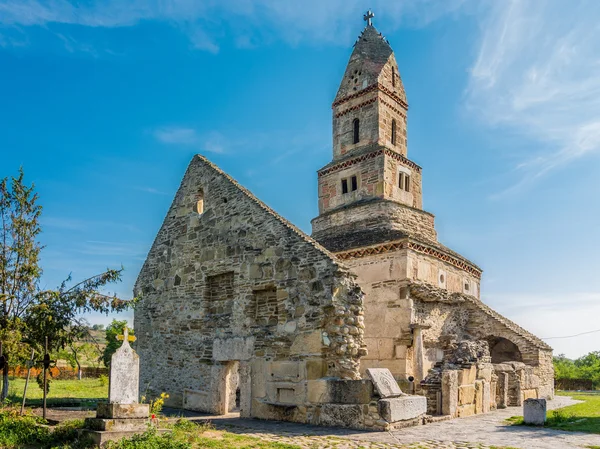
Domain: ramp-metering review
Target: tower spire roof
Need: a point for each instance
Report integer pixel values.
(371, 53)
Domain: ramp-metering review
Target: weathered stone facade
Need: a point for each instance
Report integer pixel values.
(421, 299)
(240, 309)
(235, 298)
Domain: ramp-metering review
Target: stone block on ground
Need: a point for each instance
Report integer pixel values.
(384, 382)
(534, 411)
(122, 411)
(114, 425)
(449, 392)
(402, 408)
(100, 439)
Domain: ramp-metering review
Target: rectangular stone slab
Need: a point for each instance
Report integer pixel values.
(122, 411)
(114, 425)
(384, 382)
(534, 411)
(402, 408)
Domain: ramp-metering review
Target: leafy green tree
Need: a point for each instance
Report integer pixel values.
(19, 263)
(28, 314)
(113, 330)
(564, 368)
(589, 367)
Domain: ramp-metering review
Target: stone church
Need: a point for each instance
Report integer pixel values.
(241, 310)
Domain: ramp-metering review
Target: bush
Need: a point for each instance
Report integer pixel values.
(149, 440)
(16, 431)
(28, 431)
(103, 380)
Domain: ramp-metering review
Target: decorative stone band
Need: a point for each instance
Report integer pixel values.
(364, 157)
(355, 107)
(415, 246)
(378, 86)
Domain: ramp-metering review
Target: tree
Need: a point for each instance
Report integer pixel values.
(589, 366)
(19, 262)
(564, 368)
(113, 330)
(29, 315)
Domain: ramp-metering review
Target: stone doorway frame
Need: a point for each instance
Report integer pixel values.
(222, 372)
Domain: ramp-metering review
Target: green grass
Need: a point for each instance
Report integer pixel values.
(582, 417)
(62, 392)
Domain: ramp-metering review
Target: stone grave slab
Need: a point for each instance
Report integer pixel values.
(124, 382)
(384, 382)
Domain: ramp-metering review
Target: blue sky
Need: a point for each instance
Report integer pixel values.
(104, 104)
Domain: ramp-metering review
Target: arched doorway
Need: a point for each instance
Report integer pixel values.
(504, 350)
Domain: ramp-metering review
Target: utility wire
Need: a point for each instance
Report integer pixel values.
(571, 336)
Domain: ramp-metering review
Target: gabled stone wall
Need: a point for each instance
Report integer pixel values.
(236, 292)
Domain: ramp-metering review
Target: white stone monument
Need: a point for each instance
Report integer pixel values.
(122, 416)
(124, 380)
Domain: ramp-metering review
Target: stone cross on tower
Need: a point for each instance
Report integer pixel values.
(368, 16)
(124, 379)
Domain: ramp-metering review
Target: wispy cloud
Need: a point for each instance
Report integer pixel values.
(213, 142)
(538, 74)
(76, 224)
(151, 190)
(247, 23)
(554, 314)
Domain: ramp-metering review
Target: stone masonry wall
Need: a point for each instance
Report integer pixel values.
(373, 216)
(237, 283)
(370, 184)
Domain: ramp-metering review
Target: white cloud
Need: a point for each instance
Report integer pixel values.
(205, 22)
(554, 314)
(538, 74)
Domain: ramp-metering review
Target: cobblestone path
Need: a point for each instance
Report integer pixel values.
(479, 431)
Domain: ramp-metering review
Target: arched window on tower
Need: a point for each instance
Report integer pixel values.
(355, 130)
(393, 131)
(393, 77)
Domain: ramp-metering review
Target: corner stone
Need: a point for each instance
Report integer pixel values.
(402, 408)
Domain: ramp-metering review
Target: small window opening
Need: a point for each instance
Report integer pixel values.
(401, 180)
(355, 130)
(407, 183)
(354, 183)
(466, 286)
(442, 278)
(199, 207)
(393, 132)
(393, 77)
(344, 186)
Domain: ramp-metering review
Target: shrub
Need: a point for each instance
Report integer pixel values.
(16, 431)
(149, 440)
(103, 380)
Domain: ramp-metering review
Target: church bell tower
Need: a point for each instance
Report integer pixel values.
(370, 183)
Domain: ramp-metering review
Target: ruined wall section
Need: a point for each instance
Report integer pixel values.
(451, 318)
(237, 282)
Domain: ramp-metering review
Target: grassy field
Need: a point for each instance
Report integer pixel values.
(62, 392)
(583, 417)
